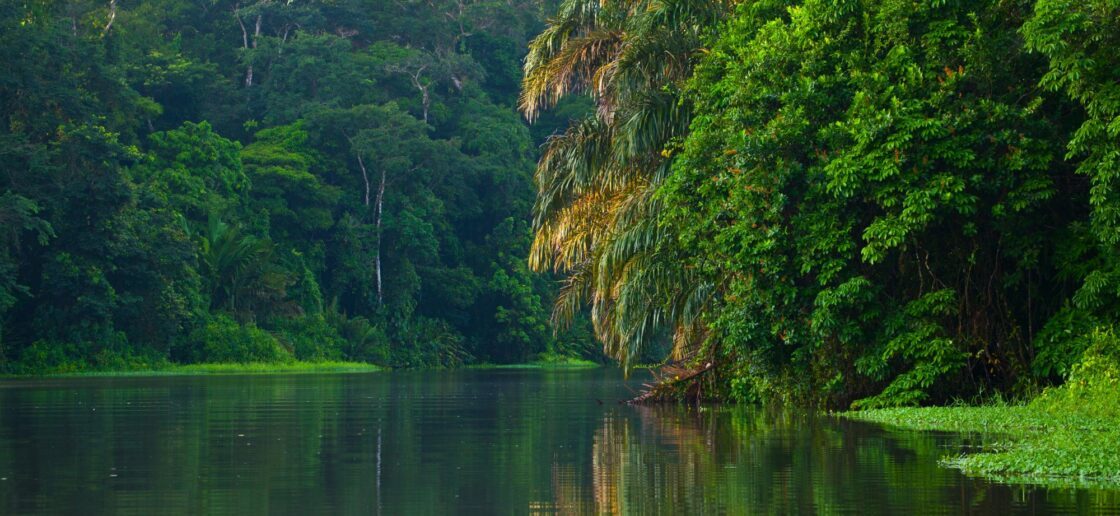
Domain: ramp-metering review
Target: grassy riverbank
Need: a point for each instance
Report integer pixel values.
(1021, 443)
(1068, 436)
(544, 361)
(297, 367)
(294, 367)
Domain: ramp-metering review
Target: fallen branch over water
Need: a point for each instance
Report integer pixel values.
(674, 382)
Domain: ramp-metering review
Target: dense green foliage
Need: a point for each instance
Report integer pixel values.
(266, 181)
(838, 202)
(869, 198)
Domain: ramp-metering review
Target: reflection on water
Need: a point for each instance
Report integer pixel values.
(740, 460)
(461, 442)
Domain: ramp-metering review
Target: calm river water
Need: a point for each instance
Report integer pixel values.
(480, 442)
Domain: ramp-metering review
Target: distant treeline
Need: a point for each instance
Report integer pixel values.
(201, 181)
(839, 202)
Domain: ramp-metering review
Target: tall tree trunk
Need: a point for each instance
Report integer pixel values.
(380, 203)
(249, 71)
(245, 42)
(244, 33)
(377, 220)
(425, 98)
(365, 179)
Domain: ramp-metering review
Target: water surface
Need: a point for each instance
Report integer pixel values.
(484, 441)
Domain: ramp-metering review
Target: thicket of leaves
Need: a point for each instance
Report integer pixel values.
(265, 180)
(874, 203)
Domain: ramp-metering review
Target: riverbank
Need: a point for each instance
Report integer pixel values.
(1068, 436)
(1019, 443)
(544, 361)
(297, 367)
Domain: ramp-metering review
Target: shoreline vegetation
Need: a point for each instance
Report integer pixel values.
(1068, 436)
(213, 368)
(543, 361)
(1018, 443)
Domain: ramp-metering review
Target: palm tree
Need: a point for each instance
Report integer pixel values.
(241, 272)
(597, 218)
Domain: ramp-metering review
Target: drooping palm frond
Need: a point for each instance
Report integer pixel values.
(573, 163)
(651, 121)
(597, 218)
(578, 66)
(584, 36)
(567, 240)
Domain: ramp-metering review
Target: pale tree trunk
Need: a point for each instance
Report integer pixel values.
(244, 33)
(112, 18)
(416, 78)
(245, 42)
(377, 224)
(377, 220)
(283, 40)
(365, 179)
(424, 96)
(256, 35)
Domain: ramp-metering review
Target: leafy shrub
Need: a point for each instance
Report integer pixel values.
(128, 359)
(1093, 386)
(430, 343)
(305, 290)
(311, 338)
(917, 338)
(50, 357)
(1062, 342)
(361, 340)
(45, 357)
(224, 340)
(578, 340)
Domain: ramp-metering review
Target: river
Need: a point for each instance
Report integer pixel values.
(470, 441)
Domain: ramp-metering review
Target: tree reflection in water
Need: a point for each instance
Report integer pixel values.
(744, 460)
